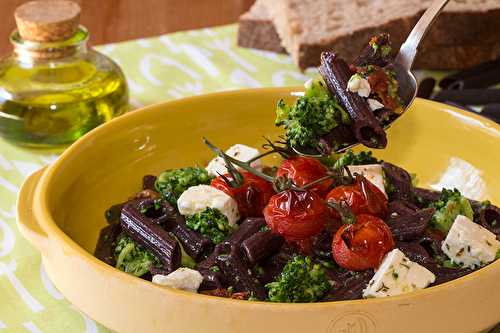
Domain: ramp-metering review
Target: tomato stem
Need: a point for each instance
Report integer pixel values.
(344, 211)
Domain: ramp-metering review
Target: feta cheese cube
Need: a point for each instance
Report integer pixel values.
(183, 278)
(374, 104)
(360, 85)
(398, 275)
(217, 166)
(197, 198)
(469, 244)
(372, 172)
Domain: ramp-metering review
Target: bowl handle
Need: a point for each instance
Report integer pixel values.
(26, 221)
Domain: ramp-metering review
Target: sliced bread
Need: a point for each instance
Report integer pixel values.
(464, 35)
(256, 30)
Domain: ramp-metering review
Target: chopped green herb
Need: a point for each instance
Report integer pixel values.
(264, 228)
(215, 269)
(301, 281)
(350, 158)
(133, 258)
(385, 50)
(448, 207)
(450, 264)
(211, 223)
(172, 183)
(313, 115)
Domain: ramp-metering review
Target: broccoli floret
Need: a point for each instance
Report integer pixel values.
(172, 183)
(133, 258)
(448, 207)
(300, 282)
(211, 223)
(350, 158)
(313, 115)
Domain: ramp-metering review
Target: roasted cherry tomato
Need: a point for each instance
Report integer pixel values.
(362, 197)
(380, 83)
(252, 195)
(296, 215)
(304, 170)
(362, 245)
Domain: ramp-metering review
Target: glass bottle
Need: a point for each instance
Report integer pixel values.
(53, 89)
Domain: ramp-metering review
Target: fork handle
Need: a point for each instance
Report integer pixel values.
(408, 50)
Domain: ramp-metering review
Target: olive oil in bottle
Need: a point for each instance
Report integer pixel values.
(52, 88)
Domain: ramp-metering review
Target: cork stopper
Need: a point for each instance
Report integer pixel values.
(47, 20)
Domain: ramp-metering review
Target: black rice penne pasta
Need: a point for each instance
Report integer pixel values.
(341, 133)
(469, 96)
(400, 180)
(240, 275)
(104, 249)
(364, 125)
(425, 196)
(374, 53)
(445, 274)
(487, 215)
(212, 277)
(426, 87)
(261, 245)
(481, 76)
(351, 289)
(431, 241)
(407, 227)
(148, 182)
(273, 266)
(322, 244)
(147, 232)
(415, 252)
(246, 229)
(401, 207)
(196, 245)
(112, 214)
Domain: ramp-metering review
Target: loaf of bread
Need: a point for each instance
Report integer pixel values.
(465, 34)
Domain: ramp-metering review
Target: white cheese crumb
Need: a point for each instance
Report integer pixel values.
(183, 278)
(398, 275)
(469, 244)
(217, 166)
(360, 85)
(372, 172)
(197, 198)
(374, 104)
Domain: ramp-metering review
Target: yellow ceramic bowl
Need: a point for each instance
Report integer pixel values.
(61, 212)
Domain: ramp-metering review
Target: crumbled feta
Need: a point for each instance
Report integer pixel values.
(374, 104)
(360, 85)
(372, 172)
(217, 166)
(197, 198)
(469, 244)
(398, 275)
(182, 278)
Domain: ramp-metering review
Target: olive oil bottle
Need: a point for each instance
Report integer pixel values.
(52, 88)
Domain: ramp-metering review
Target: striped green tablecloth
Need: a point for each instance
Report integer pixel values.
(157, 69)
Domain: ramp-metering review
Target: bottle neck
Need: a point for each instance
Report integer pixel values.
(31, 52)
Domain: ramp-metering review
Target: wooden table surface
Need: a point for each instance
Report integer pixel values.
(117, 20)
